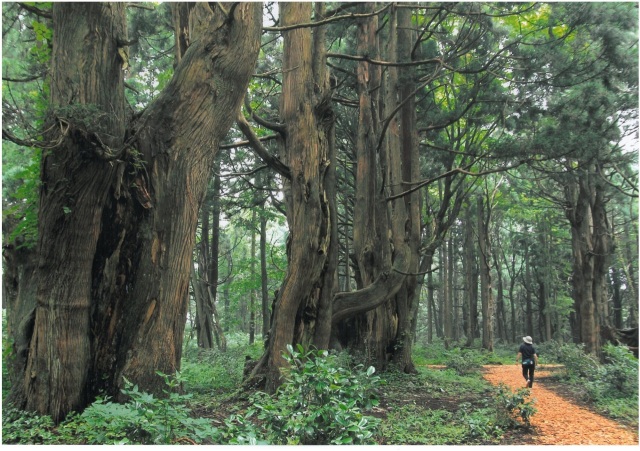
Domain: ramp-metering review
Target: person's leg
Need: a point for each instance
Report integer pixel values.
(524, 372)
(532, 370)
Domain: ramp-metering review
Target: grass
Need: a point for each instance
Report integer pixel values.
(439, 407)
(414, 425)
(436, 354)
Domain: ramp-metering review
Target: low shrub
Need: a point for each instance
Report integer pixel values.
(576, 363)
(144, 419)
(464, 361)
(319, 403)
(510, 406)
(481, 423)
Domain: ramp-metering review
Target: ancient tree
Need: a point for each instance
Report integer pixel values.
(120, 196)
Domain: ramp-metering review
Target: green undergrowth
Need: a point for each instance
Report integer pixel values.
(474, 356)
(330, 398)
(443, 407)
(211, 372)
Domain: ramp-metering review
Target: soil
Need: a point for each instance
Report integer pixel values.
(560, 420)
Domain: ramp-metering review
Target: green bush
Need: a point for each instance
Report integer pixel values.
(144, 419)
(463, 361)
(319, 403)
(617, 378)
(510, 406)
(481, 423)
(576, 363)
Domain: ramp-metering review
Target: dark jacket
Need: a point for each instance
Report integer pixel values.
(527, 352)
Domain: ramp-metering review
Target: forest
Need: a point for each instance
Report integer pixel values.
(319, 222)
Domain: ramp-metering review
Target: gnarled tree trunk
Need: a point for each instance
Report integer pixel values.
(303, 306)
(120, 201)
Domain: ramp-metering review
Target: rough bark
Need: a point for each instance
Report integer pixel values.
(381, 236)
(19, 300)
(590, 238)
(199, 284)
(407, 303)
(112, 285)
(214, 254)
(264, 287)
(252, 275)
(75, 185)
(306, 112)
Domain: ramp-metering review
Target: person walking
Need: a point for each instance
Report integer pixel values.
(529, 358)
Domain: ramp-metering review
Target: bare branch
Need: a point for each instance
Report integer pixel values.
(260, 150)
(326, 21)
(385, 63)
(452, 172)
(23, 80)
(36, 11)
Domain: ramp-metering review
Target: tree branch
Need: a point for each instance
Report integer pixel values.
(36, 11)
(260, 150)
(449, 173)
(274, 126)
(384, 63)
(23, 80)
(326, 21)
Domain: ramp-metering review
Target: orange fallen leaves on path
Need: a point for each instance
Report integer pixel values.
(559, 421)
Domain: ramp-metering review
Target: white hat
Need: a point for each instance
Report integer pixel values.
(527, 339)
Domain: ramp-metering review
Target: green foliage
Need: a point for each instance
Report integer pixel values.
(510, 406)
(463, 361)
(617, 378)
(144, 419)
(211, 370)
(414, 425)
(319, 402)
(576, 363)
(21, 203)
(481, 424)
(26, 428)
(42, 49)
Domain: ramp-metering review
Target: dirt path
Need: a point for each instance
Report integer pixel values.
(558, 421)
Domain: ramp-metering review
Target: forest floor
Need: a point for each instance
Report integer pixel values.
(560, 419)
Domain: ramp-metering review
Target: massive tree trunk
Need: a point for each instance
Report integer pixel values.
(408, 298)
(88, 104)
(385, 230)
(590, 238)
(303, 306)
(119, 203)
